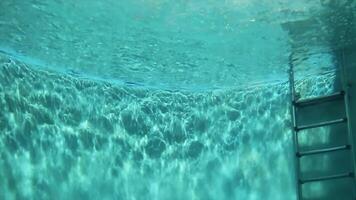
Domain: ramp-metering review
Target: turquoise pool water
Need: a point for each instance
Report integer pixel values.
(166, 44)
(152, 99)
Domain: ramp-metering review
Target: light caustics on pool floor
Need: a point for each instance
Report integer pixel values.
(69, 138)
(66, 135)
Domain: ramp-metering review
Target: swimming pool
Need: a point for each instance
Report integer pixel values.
(159, 99)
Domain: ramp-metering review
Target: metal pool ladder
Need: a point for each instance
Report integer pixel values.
(295, 105)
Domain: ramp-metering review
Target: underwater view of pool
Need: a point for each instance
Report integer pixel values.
(154, 99)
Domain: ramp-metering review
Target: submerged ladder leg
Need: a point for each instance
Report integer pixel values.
(294, 124)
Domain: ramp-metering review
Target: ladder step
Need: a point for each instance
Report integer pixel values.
(318, 100)
(321, 124)
(326, 150)
(325, 178)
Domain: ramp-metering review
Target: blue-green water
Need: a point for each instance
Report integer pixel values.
(151, 99)
(67, 138)
(166, 44)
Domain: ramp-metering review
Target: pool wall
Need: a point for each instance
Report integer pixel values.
(348, 61)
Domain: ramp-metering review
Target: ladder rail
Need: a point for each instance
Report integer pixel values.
(294, 124)
(326, 178)
(319, 100)
(321, 124)
(324, 150)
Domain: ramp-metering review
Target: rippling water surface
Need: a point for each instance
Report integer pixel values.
(172, 44)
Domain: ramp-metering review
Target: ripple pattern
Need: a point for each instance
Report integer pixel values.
(64, 137)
